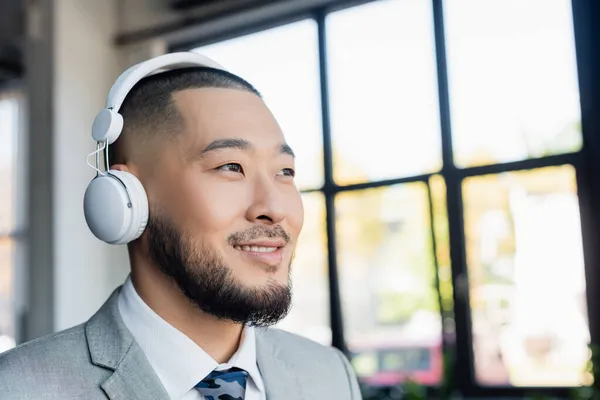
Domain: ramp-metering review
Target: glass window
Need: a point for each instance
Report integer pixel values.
(442, 241)
(7, 317)
(310, 312)
(383, 91)
(283, 64)
(513, 91)
(527, 282)
(512, 78)
(8, 152)
(9, 118)
(387, 282)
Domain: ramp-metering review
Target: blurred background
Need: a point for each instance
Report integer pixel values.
(448, 152)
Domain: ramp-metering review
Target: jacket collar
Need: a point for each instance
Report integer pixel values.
(112, 346)
(281, 381)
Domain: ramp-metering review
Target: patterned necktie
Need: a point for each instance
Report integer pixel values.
(229, 384)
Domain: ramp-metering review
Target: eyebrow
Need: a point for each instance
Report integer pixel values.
(286, 149)
(221, 144)
(240, 144)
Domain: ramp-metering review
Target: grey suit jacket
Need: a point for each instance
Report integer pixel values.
(100, 360)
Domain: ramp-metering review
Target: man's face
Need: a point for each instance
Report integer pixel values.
(225, 213)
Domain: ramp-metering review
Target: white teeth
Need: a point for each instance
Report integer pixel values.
(257, 249)
(265, 249)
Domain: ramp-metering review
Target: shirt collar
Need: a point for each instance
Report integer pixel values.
(179, 362)
(245, 358)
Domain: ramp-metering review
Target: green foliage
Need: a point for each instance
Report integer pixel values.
(448, 385)
(398, 308)
(413, 391)
(591, 392)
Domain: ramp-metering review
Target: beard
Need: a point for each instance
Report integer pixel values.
(204, 278)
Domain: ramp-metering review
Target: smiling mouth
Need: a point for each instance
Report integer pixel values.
(269, 256)
(257, 249)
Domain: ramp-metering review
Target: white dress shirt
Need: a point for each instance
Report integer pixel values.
(179, 362)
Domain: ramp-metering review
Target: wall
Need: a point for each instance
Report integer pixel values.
(85, 65)
(71, 62)
(36, 317)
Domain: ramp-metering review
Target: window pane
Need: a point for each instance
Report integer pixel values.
(383, 88)
(527, 283)
(8, 152)
(442, 241)
(282, 63)
(513, 79)
(7, 315)
(387, 284)
(310, 312)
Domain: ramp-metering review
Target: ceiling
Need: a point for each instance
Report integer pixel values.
(12, 30)
(11, 39)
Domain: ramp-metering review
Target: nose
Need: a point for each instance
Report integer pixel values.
(268, 206)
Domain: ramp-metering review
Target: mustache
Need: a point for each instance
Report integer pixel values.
(258, 232)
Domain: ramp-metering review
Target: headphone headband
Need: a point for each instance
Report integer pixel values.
(127, 80)
(108, 123)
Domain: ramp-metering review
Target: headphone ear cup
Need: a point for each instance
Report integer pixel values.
(107, 126)
(116, 207)
(139, 201)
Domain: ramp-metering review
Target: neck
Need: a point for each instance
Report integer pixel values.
(218, 338)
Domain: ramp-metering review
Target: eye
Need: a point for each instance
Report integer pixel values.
(288, 172)
(232, 167)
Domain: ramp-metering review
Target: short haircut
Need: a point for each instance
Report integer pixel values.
(150, 112)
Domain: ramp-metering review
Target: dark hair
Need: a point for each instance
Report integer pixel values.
(149, 111)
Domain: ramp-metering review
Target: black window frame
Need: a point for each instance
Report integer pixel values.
(586, 162)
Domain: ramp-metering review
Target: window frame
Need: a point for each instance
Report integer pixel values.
(587, 170)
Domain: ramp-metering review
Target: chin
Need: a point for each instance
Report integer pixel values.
(280, 280)
(262, 280)
(250, 275)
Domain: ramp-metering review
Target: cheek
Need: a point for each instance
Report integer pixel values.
(217, 209)
(207, 209)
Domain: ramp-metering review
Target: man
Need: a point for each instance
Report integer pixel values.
(209, 273)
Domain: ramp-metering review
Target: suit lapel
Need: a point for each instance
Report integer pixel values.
(133, 380)
(112, 346)
(280, 381)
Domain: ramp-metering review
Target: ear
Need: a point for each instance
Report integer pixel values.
(120, 167)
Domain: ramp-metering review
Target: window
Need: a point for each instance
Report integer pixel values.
(9, 216)
(384, 103)
(387, 281)
(514, 96)
(527, 280)
(513, 80)
(439, 145)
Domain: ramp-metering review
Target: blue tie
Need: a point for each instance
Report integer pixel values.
(229, 384)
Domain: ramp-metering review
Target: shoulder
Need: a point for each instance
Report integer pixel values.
(313, 361)
(44, 349)
(58, 362)
(293, 344)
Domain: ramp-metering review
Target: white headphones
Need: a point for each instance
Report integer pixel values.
(115, 202)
